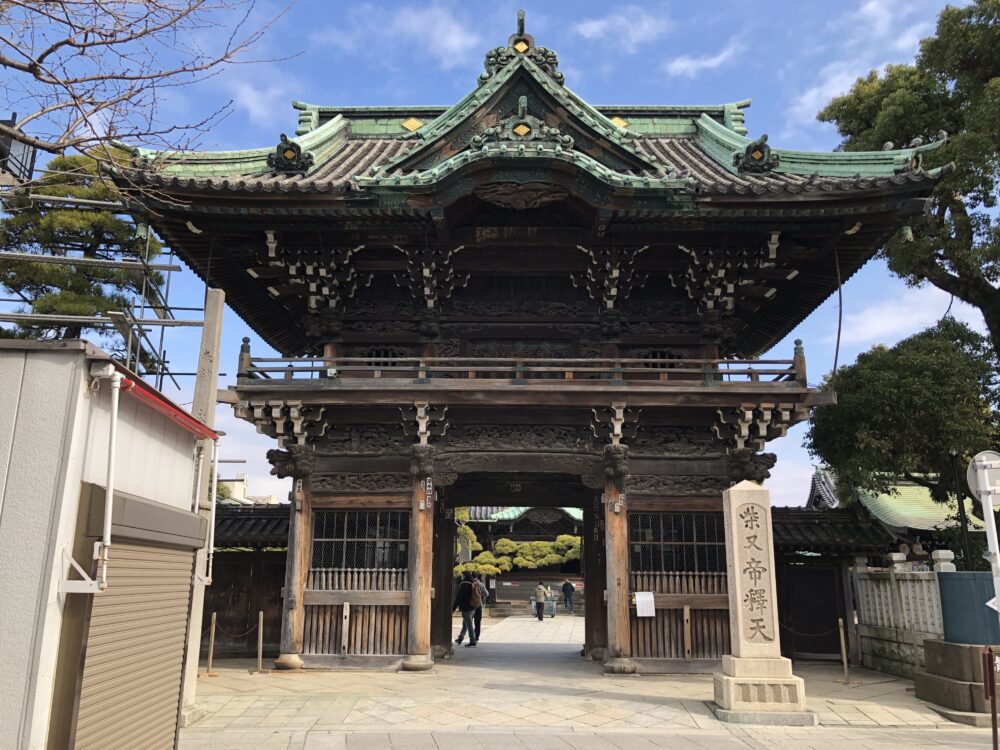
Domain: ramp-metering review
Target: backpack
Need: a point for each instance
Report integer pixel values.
(475, 598)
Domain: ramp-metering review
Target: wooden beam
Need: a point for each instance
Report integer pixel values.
(357, 598)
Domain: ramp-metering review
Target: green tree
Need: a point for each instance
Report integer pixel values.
(953, 85)
(901, 410)
(40, 228)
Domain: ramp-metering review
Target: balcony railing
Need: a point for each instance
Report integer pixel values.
(527, 371)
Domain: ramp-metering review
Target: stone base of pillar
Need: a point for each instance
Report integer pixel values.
(288, 661)
(417, 663)
(760, 691)
(619, 666)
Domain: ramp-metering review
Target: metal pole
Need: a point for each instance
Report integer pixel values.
(211, 645)
(843, 650)
(962, 518)
(260, 641)
(986, 493)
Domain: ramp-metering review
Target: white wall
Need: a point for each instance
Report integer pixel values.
(154, 457)
(39, 393)
(53, 437)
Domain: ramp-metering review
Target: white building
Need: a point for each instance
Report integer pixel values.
(98, 663)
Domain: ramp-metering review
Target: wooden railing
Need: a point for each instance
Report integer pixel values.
(514, 371)
(358, 579)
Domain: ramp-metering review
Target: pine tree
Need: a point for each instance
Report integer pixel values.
(43, 228)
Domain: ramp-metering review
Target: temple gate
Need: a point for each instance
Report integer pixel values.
(521, 299)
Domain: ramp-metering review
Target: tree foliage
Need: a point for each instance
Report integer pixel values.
(41, 228)
(900, 411)
(954, 85)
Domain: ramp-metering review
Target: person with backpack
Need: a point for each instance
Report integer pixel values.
(567, 592)
(484, 595)
(467, 600)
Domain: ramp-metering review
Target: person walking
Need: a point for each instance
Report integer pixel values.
(542, 593)
(484, 595)
(567, 592)
(467, 599)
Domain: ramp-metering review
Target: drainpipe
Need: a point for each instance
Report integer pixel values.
(213, 486)
(199, 452)
(115, 380)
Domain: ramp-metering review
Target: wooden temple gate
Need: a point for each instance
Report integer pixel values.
(522, 290)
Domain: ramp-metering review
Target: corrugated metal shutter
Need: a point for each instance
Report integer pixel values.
(134, 654)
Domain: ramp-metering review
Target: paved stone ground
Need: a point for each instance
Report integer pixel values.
(526, 686)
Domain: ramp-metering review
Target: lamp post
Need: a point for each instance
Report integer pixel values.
(962, 518)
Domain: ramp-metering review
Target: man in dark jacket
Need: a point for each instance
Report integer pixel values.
(467, 599)
(567, 592)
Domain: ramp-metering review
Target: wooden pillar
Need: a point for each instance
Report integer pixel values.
(619, 649)
(443, 580)
(595, 579)
(421, 558)
(297, 566)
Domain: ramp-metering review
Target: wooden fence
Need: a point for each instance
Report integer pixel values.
(356, 612)
(692, 616)
(896, 612)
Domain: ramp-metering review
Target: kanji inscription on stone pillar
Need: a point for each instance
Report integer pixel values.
(751, 576)
(756, 684)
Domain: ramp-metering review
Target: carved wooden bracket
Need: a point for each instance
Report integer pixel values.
(424, 421)
(325, 277)
(615, 423)
(750, 426)
(298, 461)
(744, 464)
(611, 274)
(721, 280)
(429, 274)
(289, 422)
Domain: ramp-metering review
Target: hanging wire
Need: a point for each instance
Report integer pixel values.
(840, 308)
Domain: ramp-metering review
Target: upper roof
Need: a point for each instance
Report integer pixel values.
(492, 514)
(522, 109)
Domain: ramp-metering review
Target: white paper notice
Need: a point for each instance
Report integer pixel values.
(645, 606)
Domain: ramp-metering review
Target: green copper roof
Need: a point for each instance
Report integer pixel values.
(642, 148)
(912, 507)
(514, 512)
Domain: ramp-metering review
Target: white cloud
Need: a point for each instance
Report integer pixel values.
(833, 80)
(866, 34)
(399, 34)
(689, 67)
(888, 320)
(626, 28)
(267, 105)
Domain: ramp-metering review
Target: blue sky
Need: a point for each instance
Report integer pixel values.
(789, 57)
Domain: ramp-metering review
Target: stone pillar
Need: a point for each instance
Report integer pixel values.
(421, 558)
(297, 463)
(944, 561)
(619, 651)
(756, 685)
(206, 388)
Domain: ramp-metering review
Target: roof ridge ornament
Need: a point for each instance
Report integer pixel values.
(756, 157)
(288, 157)
(521, 44)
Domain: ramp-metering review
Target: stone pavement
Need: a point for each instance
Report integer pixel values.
(541, 694)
